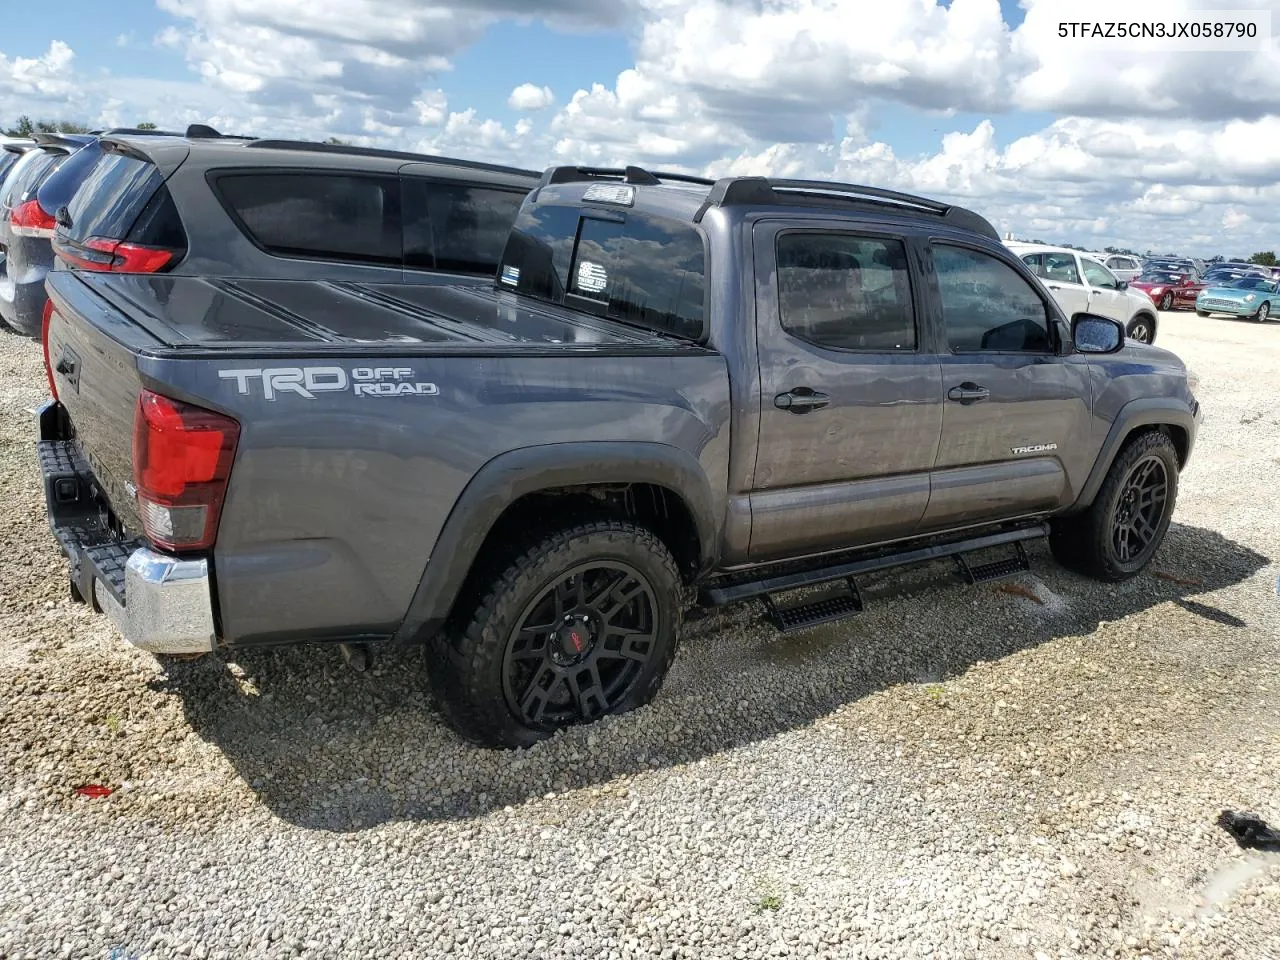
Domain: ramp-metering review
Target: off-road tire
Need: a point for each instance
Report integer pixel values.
(467, 659)
(1083, 542)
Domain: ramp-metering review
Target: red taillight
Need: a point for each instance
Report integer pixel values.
(182, 459)
(30, 220)
(44, 339)
(115, 256)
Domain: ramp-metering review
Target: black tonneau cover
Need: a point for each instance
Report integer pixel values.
(195, 312)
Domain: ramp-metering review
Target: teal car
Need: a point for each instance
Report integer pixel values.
(1254, 297)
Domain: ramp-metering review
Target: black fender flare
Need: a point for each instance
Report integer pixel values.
(509, 476)
(1144, 412)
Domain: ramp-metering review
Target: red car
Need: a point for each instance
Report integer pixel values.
(1169, 290)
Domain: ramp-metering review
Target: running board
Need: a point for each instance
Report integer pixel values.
(733, 590)
(993, 569)
(802, 616)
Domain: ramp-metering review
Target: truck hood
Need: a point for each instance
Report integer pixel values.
(1158, 357)
(192, 312)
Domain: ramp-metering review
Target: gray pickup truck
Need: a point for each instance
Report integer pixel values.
(674, 392)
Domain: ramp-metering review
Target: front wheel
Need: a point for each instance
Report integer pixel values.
(1202, 313)
(1264, 311)
(1116, 537)
(581, 624)
(1142, 329)
(1166, 302)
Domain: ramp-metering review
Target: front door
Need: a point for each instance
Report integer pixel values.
(850, 401)
(1016, 421)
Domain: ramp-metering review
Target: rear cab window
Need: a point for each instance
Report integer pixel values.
(632, 267)
(351, 217)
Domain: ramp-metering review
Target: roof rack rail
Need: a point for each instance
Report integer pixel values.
(311, 146)
(735, 191)
(139, 132)
(202, 131)
(630, 174)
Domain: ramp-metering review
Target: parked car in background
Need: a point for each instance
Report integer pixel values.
(208, 205)
(1124, 267)
(1169, 290)
(11, 150)
(1081, 284)
(1254, 297)
(25, 230)
(1171, 265)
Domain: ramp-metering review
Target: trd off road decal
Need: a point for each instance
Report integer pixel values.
(306, 382)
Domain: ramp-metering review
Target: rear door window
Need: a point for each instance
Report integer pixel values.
(340, 216)
(112, 196)
(27, 175)
(456, 227)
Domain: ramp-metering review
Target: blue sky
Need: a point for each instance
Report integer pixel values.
(974, 100)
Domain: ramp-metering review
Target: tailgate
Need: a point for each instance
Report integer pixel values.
(93, 351)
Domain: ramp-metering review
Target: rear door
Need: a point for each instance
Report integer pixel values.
(454, 227)
(1061, 274)
(1016, 416)
(850, 404)
(1105, 296)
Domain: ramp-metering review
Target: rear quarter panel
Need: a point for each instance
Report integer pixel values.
(336, 501)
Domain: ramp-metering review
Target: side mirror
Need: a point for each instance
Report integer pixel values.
(1095, 334)
(1122, 284)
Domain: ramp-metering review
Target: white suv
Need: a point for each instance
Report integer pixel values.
(1081, 284)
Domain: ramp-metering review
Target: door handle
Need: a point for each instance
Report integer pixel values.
(801, 400)
(968, 393)
(1054, 286)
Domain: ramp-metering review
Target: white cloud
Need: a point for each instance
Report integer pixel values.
(529, 97)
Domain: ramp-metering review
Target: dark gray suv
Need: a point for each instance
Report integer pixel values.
(215, 206)
(25, 230)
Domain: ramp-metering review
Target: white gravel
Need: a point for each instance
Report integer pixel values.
(960, 772)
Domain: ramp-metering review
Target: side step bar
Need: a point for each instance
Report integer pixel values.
(836, 607)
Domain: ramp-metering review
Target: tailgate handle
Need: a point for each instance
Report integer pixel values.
(66, 366)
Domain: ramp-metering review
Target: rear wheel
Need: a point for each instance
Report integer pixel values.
(1166, 302)
(581, 624)
(1118, 535)
(1264, 311)
(1142, 328)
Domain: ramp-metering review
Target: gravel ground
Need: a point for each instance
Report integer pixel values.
(1028, 770)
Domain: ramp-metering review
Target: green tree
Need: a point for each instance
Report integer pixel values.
(337, 141)
(1266, 258)
(146, 125)
(23, 128)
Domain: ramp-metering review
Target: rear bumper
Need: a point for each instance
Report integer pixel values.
(22, 299)
(160, 603)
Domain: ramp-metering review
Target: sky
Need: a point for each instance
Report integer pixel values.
(977, 102)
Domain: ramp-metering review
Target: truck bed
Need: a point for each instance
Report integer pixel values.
(339, 492)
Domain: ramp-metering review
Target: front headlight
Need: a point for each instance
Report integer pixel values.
(1249, 298)
(1193, 380)
(1157, 290)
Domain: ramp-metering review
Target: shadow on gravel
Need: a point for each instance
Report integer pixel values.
(327, 748)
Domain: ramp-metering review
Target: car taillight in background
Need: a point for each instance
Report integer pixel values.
(44, 339)
(115, 256)
(30, 220)
(182, 458)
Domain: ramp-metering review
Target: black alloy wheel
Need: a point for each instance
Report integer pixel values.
(580, 645)
(1139, 510)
